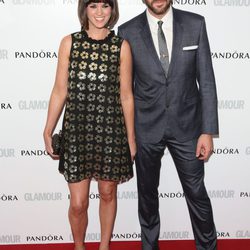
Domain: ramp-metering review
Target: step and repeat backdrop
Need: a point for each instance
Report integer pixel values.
(34, 197)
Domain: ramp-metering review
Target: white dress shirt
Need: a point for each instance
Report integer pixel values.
(167, 27)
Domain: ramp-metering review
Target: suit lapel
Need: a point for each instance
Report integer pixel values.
(177, 41)
(148, 40)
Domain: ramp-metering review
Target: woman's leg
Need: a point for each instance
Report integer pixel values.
(78, 216)
(108, 205)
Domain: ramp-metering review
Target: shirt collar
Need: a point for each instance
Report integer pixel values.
(167, 19)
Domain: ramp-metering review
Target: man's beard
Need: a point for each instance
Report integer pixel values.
(155, 10)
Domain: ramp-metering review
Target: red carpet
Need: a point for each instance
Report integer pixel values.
(164, 245)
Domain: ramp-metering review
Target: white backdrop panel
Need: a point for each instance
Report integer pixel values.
(34, 196)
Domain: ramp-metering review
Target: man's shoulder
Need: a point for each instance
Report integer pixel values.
(184, 15)
(133, 23)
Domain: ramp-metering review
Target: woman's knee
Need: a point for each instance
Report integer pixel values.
(108, 192)
(78, 208)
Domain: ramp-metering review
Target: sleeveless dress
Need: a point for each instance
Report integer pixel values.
(94, 142)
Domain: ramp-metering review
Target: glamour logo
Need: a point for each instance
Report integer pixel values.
(230, 55)
(171, 195)
(223, 234)
(231, 104)
(7, 152)
(226, 151)
(245, 194)
(34, 55)
(5, 106)
(34, 2)
(127, 195)
(37, 152)
(232, 2)
(33, 104)
(221, 194)
(190, 2)
(93, 237)
(10, 238)
(8, 197)
(3, 53)
(174, 235)
(43, 196)
(44, 238)
(243, 234)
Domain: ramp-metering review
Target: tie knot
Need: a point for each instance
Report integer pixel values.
(160, 24)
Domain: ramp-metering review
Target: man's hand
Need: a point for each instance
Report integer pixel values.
(204, 147)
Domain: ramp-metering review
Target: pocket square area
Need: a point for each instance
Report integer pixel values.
(193, 47)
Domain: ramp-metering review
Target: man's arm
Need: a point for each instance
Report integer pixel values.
(207, 88)
(208, 95)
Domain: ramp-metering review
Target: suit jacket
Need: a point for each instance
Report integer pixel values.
(185, 100)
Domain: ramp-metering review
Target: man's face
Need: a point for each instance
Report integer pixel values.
(158, 7)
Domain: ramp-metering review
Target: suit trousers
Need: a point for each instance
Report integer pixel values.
(191, 174)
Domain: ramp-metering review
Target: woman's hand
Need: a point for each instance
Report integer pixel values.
(48, 145)
(132, 147)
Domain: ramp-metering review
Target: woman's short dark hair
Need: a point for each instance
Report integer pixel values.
(82, 13)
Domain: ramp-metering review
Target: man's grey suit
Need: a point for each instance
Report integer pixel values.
(173, 111)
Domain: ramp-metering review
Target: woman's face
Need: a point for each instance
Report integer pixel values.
(98, 14)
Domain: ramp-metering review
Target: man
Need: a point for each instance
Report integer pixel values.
(175, 107)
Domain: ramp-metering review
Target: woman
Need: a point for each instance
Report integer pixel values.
(94, 81)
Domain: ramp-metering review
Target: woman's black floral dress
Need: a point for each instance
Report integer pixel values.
(94, 141)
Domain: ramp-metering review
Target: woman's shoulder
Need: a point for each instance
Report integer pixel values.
(66, 42)
(67, 38)
(70, 38)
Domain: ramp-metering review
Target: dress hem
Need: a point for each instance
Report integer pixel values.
(97, 179)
